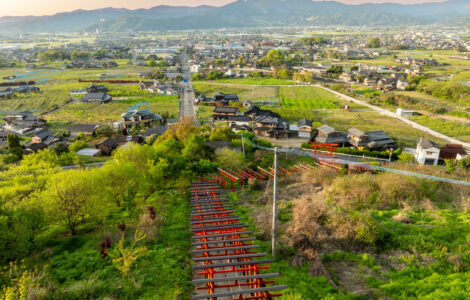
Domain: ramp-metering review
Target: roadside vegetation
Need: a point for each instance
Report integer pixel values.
(365, 235)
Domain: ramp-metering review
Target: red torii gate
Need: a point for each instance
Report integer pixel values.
(323, 147)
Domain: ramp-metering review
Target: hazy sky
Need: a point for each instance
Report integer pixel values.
(46, 7)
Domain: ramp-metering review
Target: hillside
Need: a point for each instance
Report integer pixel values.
(253, 13)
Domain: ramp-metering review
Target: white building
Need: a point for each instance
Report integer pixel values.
(405, 113)
(195, 68)
(427, 152)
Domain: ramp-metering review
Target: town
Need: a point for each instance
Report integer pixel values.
(181, 152)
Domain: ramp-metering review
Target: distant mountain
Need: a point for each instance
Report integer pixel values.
(246, 13)
(78, 20)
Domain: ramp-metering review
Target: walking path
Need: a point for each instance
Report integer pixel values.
(225, 265)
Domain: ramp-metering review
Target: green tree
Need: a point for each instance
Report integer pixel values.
(465, 163)
(406, 157)
(77, 146)
(73, 197)
(242, 61)
(451, 165)
(373, 43)
(196, 149)
(229, 159)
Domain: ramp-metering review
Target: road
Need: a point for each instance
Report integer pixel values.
(187, 108)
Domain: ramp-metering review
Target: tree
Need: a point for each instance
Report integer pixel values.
(219, 62)
(465, 163)
(275, 58)
(106, 130)
(203, 167)
(451, 165)
(196, 149)
(73, 198)
(60, 148)
(77, 146)
(406, 157)
(229, 159)
(242, 61)
(14, 146)
(373, 43)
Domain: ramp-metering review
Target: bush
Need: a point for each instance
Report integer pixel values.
(229, 159)
(77, 146)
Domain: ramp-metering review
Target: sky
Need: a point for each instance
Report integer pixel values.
(48, 7)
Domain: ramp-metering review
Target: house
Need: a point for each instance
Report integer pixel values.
(305, 129)
(140, 119)
(107, 146)
(223, 113)
(329, 135)
(427, 152)
(271, 127)
(452, 151)
(357, 138)
(402, 84)
(97, 97)
(238, 120)
(92, 88)
(379, 140)
(42, 135)
(7, 94)
(374, 140)
(224, 99)
(255, 111)
(86, 129)
(22, 122)
(34, 147)
(157, 130)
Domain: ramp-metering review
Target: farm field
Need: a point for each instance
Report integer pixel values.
(111, 112)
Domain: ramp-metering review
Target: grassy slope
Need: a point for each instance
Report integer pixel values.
(76, 270)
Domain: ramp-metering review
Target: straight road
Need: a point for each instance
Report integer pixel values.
(187, 98)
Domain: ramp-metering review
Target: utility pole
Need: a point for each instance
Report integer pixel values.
(243, 146)
(274, 204)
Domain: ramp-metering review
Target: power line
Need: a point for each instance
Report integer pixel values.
(299, 152)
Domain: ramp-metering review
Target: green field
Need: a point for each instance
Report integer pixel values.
(111, 112)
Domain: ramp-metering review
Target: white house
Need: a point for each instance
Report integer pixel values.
(195, 68)
(427, 152)
(402, 85)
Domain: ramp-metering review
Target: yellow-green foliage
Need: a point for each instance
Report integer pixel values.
(124, 257)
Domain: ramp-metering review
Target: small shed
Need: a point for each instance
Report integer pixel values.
(89, 152)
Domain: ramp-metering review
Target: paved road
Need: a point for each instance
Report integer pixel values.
(187, 98)
(393, 115)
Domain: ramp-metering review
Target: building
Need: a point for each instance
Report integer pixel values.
(374, 140)
(304, 128)
(97, 98)
(328, 135)
(427, 152)
(86, 129)
(405, 112)
(140, 119)
(271, 127)
(89, 152)
(223, 113)
(452, 151)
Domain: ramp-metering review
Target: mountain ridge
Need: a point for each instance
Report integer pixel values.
(243, 13)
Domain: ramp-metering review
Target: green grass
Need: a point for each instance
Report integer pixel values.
(111, 112)
(447, 127)
(256, 81)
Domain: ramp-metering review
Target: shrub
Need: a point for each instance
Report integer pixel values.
(77, 146)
